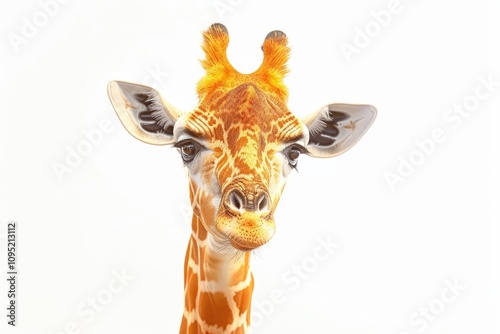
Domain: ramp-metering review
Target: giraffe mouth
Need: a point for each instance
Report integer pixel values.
(245, 245)
(248, 231)
(241, 248)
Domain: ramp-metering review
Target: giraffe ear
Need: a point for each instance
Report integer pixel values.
(336, 127)
(143, 112)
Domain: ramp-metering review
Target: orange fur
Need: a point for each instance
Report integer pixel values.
(245, 119)
(221, 76)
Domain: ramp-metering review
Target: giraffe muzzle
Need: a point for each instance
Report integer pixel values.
(245, 215)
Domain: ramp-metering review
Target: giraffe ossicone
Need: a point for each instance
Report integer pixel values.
(238, 144)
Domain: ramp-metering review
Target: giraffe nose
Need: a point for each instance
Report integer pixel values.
(238, 201)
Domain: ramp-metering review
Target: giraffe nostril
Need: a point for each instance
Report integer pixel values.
(236, 200)
(262, 202)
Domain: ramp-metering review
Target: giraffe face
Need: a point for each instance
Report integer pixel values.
(238, 158)
(241, 142)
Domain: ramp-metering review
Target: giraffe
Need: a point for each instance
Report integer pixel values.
(239, 144)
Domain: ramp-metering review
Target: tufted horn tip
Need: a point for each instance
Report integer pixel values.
(217, 28)
(276, 35)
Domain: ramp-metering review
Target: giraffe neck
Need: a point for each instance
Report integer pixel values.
(217, 286)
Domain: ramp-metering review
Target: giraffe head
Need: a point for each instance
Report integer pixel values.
(241, 142)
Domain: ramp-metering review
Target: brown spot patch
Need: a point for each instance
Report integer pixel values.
(194, 328)
(202, 264)
(192, 291)
(232, 138)
(243, 299)
(199, 229)
(194, 251)
(183, 325)
(214, 309)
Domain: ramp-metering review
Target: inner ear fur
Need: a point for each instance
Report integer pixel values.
(143, 112)
(336, 127)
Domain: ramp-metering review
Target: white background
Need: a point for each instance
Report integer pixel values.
(124, 206)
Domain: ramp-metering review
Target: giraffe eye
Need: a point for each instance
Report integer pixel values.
(293, 153)
(188, 149)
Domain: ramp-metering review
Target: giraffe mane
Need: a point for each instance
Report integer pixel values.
(221, 76)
